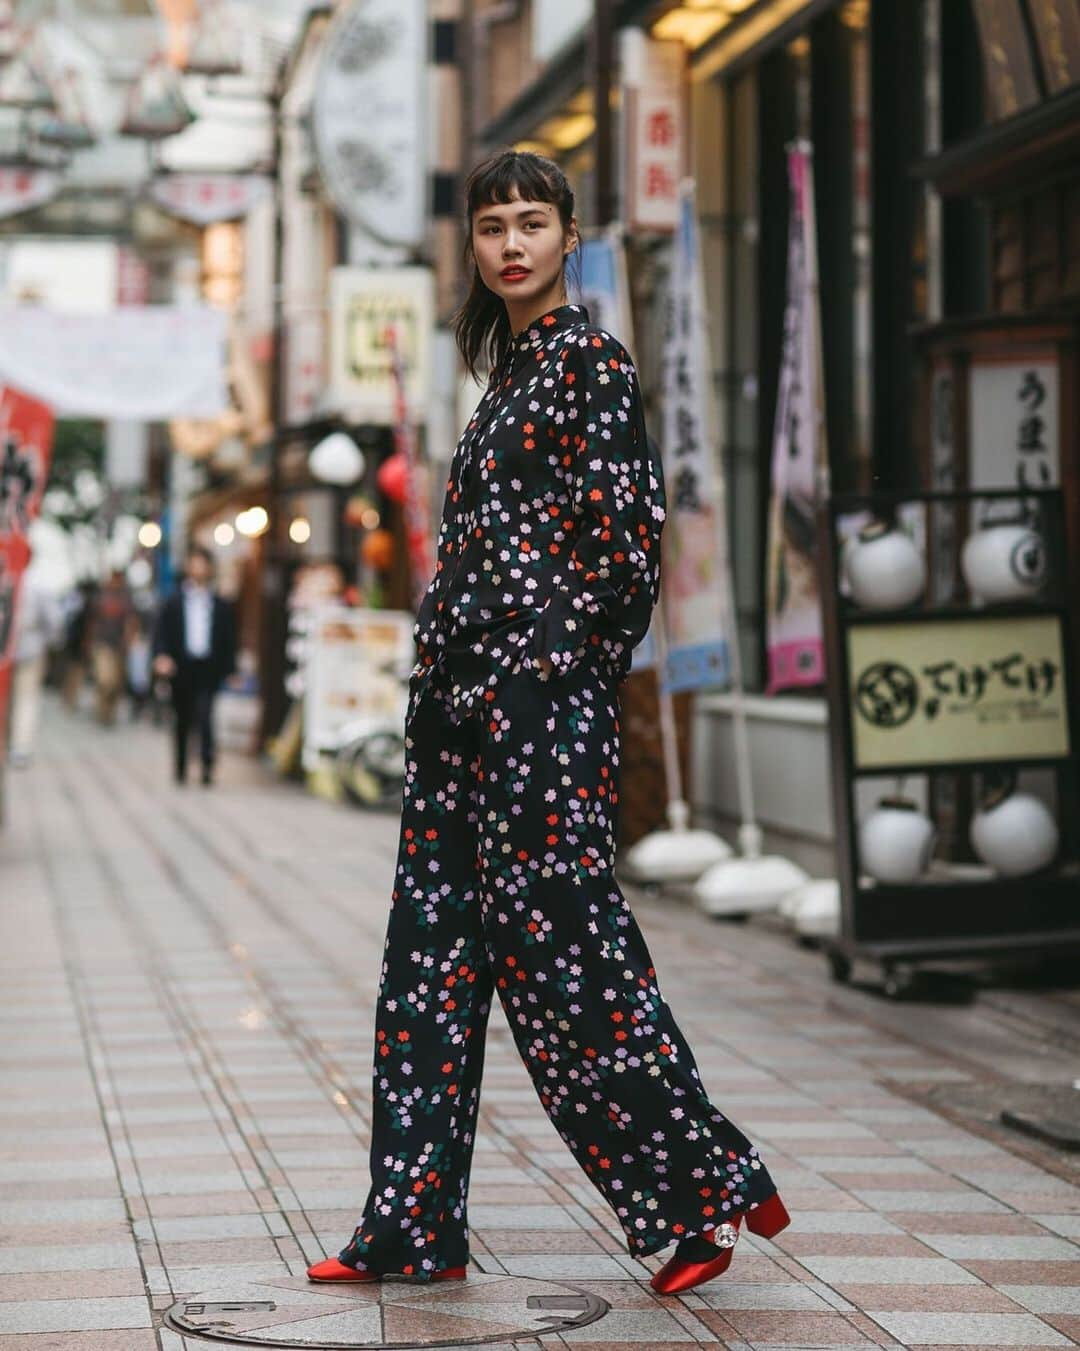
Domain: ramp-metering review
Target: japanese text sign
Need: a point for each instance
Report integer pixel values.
(964, 691)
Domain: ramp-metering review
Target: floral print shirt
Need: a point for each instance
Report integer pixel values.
(550, 536)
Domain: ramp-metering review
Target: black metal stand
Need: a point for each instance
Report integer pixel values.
(959, 912)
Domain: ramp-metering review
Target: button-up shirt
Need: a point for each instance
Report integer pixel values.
(198, 620)
(549, 543)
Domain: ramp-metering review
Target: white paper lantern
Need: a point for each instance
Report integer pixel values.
(1003, 562)
(1014, 833)
(896, 841)
(884, 568)
(337, 459)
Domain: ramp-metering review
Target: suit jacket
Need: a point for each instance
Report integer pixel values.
(169, 635)
(554, 508)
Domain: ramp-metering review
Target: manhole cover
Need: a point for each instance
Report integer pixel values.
(292, 1312)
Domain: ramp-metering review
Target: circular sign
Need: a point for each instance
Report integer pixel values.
(291, 1311)
(886, 694)
(369, 118)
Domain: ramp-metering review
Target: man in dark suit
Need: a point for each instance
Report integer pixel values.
(195, 647)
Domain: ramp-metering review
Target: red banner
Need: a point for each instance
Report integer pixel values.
(418, 535)
(26, 434)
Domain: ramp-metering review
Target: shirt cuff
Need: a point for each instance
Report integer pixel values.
(562, 632)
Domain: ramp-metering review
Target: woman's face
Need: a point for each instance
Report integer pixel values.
(520, 247)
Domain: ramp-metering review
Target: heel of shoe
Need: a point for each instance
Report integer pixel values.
(767, 1219)
(451, 1274)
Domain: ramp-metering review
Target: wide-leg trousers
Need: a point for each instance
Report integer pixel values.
(504, 884)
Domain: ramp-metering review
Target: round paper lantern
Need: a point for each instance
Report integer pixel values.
(337, 459)
(896, 841)
(885, 569)
(392, 477)
(1015, 833)
(1004, 561)
(377, 549)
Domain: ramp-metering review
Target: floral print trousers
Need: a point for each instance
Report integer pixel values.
(504, 882)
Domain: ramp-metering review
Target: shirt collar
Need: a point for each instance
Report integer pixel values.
(540, 330)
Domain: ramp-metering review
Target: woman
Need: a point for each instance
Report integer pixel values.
(547, 570)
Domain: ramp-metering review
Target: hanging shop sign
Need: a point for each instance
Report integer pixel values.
(365, 304)
(968, 690)
(369, 117)
(1015, 421)
(23, 189)
(656, 129)
(695, 559)
(204, 199)
(144, 363)
(305, 365)
(796, 647)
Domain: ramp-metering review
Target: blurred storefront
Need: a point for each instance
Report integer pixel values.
(944, 135)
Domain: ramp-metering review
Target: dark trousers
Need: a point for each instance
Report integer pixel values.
(194, 688)
(504, 889)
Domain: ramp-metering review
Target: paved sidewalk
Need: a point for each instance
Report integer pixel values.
(187, 985)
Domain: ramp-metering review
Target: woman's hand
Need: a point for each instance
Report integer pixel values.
(545, 664)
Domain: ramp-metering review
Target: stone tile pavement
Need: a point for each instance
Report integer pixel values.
(186, 985)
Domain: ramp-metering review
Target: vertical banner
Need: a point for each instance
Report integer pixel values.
(655, 126)
(695, 540)
(605, 287)
(605, 293)
(418, 537)
(796, 647)
(26, 432)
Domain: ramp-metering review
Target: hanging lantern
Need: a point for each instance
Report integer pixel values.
(69, 127)
(377, 549)
(213, 49)
(393, 476)
(179, 16)
(157, 107)
(22, 85)
(337, 459)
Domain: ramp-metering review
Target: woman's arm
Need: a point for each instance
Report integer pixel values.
(618, 498)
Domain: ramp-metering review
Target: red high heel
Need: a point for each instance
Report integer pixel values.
(339, 1273)
(766, 1220)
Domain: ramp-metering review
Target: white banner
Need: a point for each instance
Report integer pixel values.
(205, 199)
(695, 540)
(364, 303)
(143, 364)
(369, 117)
(796, 647)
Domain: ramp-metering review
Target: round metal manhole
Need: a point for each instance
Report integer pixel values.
(292, 1312)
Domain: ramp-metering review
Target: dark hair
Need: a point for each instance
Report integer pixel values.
(481, 325)
(199, 551)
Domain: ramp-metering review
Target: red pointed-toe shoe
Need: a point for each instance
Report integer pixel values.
(337, 1272)
(677, 1274)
